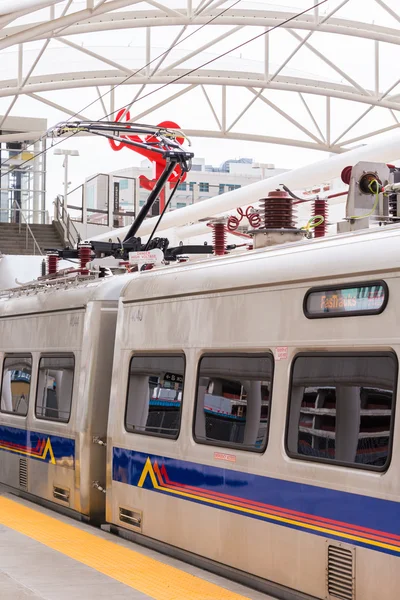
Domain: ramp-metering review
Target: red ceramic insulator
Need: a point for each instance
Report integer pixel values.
(320, 209)
(346, 175)
(52, 263)
(277, 211)
(85, 254)
(219, 238)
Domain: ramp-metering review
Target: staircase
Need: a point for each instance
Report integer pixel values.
(18, 240)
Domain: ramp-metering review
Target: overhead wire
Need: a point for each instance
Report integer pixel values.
(178, 78)
(263, 33)
(113, 88)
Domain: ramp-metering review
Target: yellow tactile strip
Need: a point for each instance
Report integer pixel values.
(145, 574)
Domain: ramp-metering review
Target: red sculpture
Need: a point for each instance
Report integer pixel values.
(156, 158)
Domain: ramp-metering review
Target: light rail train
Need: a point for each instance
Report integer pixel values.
(244, 418)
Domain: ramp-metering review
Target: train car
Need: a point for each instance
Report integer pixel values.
(252, 418)
(56, 358)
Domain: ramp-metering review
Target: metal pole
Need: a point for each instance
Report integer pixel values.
(65, 179)
(152, 198)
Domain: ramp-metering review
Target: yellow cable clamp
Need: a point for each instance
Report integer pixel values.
(312, 223)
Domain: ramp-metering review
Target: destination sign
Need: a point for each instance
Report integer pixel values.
(369, 299)
(173, 377)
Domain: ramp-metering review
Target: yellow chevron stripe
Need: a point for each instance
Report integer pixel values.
(148, 470)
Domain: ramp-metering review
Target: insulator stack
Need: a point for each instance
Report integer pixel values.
(52, 263)
(219, 237)
(277, 211)
(85, 254)
(320, 209)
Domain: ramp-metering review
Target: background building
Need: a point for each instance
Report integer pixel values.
(112, 199)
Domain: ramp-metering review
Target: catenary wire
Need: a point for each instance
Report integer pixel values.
(191, 71)
(116, 86)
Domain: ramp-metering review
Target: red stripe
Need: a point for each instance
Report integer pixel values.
(37, 451)
(303, 517)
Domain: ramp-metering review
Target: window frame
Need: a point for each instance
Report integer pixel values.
(347, 286)
(221, 444)
(17, 355)
(158, 354)
(60, 355)
(338, 463)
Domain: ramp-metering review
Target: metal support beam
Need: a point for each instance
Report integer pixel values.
(162, 103)
(100, 97)
(389, 10)
(266, 55)
(328, 121)
(286, 116)
(211, 108)
(196, 52)
(148, 50)
(95, 55)
(223, 108)
(20, 63)
(244, 111)
(57, 106)
(312, 117)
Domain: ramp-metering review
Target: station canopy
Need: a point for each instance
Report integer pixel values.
(326, 79)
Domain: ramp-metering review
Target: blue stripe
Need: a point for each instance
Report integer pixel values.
(352, 509)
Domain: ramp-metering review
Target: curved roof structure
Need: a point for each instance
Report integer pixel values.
(324, 80)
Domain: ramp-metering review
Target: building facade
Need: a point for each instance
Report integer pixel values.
(123, 187)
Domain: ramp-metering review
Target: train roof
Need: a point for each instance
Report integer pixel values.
(61, 295)
(356, 253)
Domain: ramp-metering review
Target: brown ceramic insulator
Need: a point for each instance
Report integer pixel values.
(219, 238)
(277, 211)
(320, 209)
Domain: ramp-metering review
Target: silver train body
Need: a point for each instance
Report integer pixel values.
(251, 412)
(63, 338)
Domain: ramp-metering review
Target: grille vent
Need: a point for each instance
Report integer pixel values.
(341, 583)
(131, 517)
(23, 473)
(61, 493)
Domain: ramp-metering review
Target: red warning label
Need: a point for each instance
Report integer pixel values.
(281, 353)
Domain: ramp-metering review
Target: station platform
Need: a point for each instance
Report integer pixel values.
(47, 556)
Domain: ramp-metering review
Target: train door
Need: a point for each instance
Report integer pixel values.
(16, 395)
(51, 431)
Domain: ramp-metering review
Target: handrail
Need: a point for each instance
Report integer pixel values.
(71, 234)
(28, 228)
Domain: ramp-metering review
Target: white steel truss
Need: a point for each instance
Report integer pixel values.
(176, 37)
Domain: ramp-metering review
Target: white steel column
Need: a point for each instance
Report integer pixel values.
(37, 186)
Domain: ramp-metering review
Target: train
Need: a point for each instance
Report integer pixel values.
(235, 411)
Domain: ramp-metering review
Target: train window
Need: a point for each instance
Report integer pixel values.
(54, 389)
(154, 399)
(16, 383)
(233, 400)
(342, 409)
